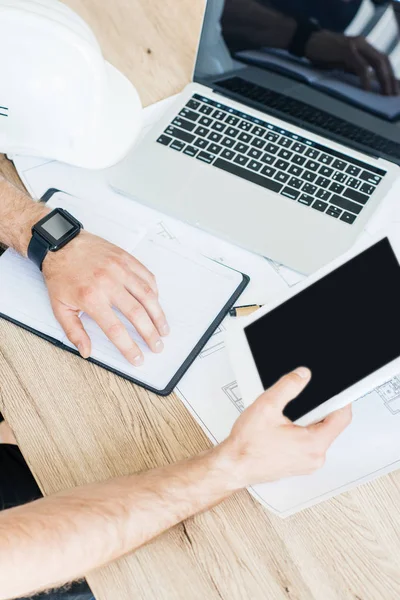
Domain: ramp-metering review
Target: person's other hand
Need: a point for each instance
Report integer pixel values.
(265, 446)
(354, 55)
(92, 275)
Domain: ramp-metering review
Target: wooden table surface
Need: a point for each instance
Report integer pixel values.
(76, 423)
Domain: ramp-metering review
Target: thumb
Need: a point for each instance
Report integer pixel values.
(287, 388)
(74, 330)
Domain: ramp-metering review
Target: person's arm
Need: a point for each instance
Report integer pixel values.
(60, 538)
(89, 274)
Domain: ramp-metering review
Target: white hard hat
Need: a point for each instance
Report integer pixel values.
(59, 99)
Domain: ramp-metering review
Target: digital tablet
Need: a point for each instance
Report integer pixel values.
(342, 323)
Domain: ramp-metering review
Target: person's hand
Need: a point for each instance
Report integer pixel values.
(265, 446)
(327, 49)
(92, 275)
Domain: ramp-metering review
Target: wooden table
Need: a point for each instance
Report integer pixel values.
(76, 423)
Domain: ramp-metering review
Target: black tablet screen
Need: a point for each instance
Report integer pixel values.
(343, 327)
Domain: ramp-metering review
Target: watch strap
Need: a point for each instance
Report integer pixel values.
(305, 29)
(37, 249)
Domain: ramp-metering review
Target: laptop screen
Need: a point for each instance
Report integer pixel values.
(342, 56)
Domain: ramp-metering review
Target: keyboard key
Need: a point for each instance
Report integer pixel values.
(308, 188)
(268, 159)
(190, 151)
(193, 104)
(282, 177)
(367, 189)
(205, 157)
(228, 142)
(312, 153)
(218, 126)
(370, 177)
(228, 154)
(352, 170)
(245, 137)
(334, 212)
(271, 137)
(245, 125)
(323, 182)
(219, 115)
(206, 121)
(308, 176)
(231, 120)
(325, 159)
(281, 164)
(268, 171)
(339, 164)
(258, 143)
(232, 131)
(165, 140)
(241, 160)
(295, 170)
(201, 143)
(254, 165)
(177, 145)
(296, 183)
(202, 131)
(286, 154)
(299, 148)
(348, 218)
(290, 193)
(325, 171)
(242, 148)
(215, 137)
(254, 153)
(319, 205)
(214, 148)
(189, 114)
(312, 165)
(357, 196)
(257, 130)
(306, 199)
(270, 184)
(323, 195)
(353, 183)
(339, 177)
(271, 148)
(298, 160)
(285, 142)
(337, 188)
(346, 204)
(184, 136)
(205, 109)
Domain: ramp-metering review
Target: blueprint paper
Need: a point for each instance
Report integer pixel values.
(370, 447)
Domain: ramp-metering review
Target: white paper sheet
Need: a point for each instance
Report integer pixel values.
(369, 448)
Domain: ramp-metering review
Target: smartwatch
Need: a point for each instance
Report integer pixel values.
(305, 29)
(51, 233)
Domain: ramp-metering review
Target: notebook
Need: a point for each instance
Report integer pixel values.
(196, 294)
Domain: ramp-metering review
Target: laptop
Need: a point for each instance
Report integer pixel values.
(260, 156)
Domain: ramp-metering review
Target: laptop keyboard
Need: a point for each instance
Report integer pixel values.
(274, 158)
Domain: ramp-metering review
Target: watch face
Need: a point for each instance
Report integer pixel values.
(58, 228)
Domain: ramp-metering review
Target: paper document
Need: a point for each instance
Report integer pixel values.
(209, 390)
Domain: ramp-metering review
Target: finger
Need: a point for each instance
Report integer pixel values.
(380, 65)
(136, 313)
(361, 68)
(330, 428)
(74, 330)
(117, 333)
(143, 272)
(286, 389)
(141, 290)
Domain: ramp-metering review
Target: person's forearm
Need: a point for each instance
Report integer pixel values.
(246, 24)
(18, 213)
(63, 537)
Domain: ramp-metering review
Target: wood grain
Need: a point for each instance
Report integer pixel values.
(77, 423)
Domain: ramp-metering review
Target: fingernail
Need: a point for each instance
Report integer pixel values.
(165, 329)
(82, 352)
(159, 346)
(302, 372)
(138, 360)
